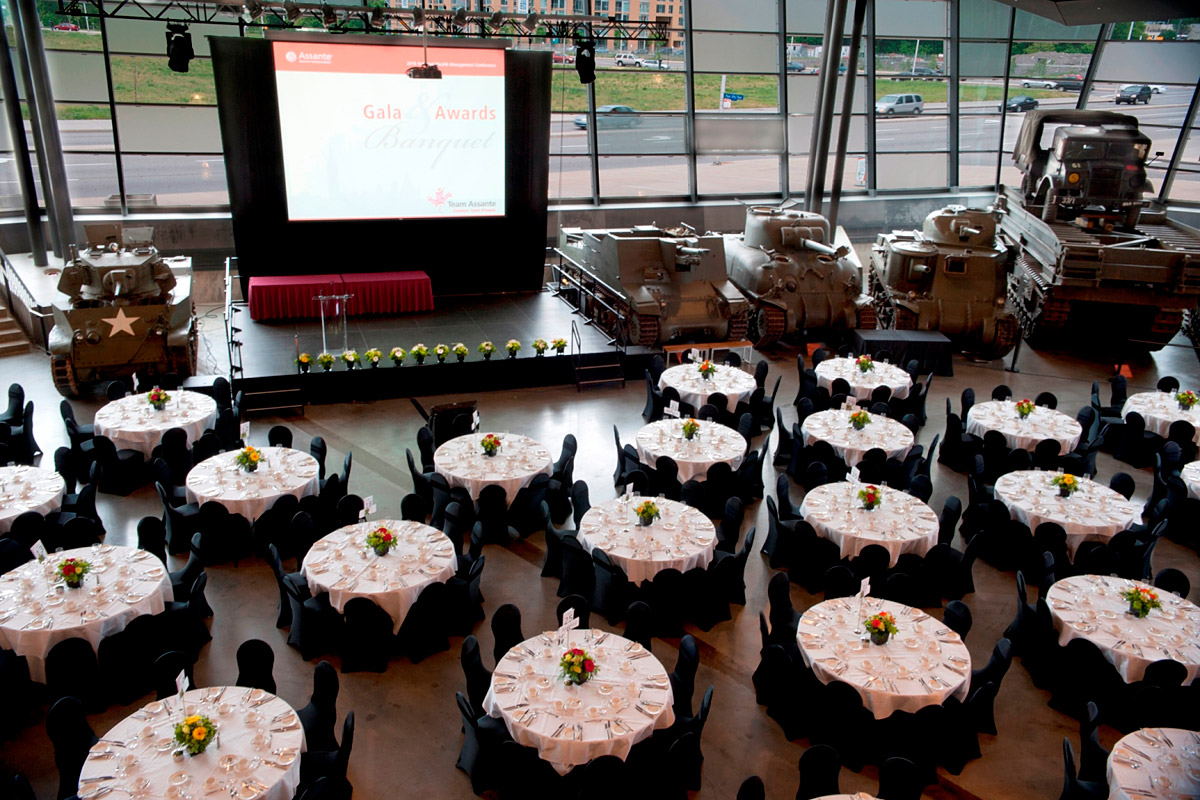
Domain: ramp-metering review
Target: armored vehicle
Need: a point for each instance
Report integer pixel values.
(950, 277)
(786, 266)
(650, 285)
(127, 310)
(1115, 272)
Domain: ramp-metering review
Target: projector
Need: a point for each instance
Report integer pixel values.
(425, 71)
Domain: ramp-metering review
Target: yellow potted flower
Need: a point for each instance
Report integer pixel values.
(419, 351)
(487, 348)
(512, 346)
(539, 346)
(1067, 484)
(305, 362)
(373, 355)
(195, 734)
(248, 458)
(460, 351)
(397, 355)
(559, 345)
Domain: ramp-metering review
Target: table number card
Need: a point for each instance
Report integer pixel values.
(244, 431)
(369, 504)
(38, 550)
(569, 624)
(672, 409)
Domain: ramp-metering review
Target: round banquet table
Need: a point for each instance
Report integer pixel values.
(133, 425)
(1091, 607)
(282, 471)
(35, 615)
(24, 488)
(1024, 434)
(342, 565)
(1155, 762)
(694, 389)
(923, 664)
(900, 524)
(1159, 410)
(681, 538)
(834, 426)
(863, 383)
(1094, 513)
(1190, 474)
(256, 754)
(628, 700)
(520, 459)
(713, 443)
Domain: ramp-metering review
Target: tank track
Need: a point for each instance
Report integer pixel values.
(738, 325)
(881, 299)
(646, 329)
(866, 319)
(64, 376)
(769, 325)
(1007, 331)
(905, 320)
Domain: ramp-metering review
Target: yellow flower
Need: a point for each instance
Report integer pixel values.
(254, 456)
(199, 733)
(192, 720)
(575, 668)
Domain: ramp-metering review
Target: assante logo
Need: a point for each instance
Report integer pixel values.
(291, 56)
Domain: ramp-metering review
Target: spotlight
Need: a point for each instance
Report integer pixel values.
(328, 16)
(293, 13)
(531, 21)
(377, 19)
(460, 17)
(497, 20)
(425, 72)
(585, 60)
(254, 9)
(418, 16)
(179, 46)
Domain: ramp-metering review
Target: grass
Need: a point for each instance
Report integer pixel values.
(935, 91)
(147, 79)
(652, 90)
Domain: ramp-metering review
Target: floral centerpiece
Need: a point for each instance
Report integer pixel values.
(871, 497)
(864, 363)
(441, 351)
(1067, 484)
(195, 734)
(372, 356)
(540, 345)
(72, 570)
(398, 355)
(647, 512)
(304, 361)
(381, 540)
(1024, 408)
(419, 351)
(860, 419)
(577, 666)
(460, 351)
(559, 345)
(512, 346)
(487, 348)
(706, 369)
(880, 626)
(490, 444)
(157, 398)
(248, 458)
(690, 429)
(351, 359)
(1141, 600)
(326, 361)
(1186, 400)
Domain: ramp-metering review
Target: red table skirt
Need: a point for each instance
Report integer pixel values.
(291, 296)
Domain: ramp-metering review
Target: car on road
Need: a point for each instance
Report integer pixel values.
(1132, 94)
(1036, 83)
(1021, 102)
(562, 58)
(1158, 88)
(891, 104)
(1069, 83)
(924, 73)
(66, 26)
(632, 60)
(611, 117)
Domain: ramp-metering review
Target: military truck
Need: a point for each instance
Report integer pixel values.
(127, 310)
(951, 276)
(651, 285)
(1089, 256)
(796, 275)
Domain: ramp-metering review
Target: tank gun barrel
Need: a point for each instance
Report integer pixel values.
(818, 247)
(693, 251)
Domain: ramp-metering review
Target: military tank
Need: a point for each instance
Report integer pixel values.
(1091, 258)
(648, 285)
(795, 274)
(128, 310)
(951, 276)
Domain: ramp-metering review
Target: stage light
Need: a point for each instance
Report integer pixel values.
(418, 16)
(293, 13)
(460, 17)
(497, 20)
(328, 16)
(531, 21)
(585, 60)
(254, 9)
(425, 72)
(179, 46)
(377, 20)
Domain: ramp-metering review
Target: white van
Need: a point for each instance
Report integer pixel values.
(891, 104)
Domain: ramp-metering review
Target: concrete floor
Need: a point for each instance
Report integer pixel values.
(408, 727)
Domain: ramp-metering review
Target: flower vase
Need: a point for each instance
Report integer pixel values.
(420, 360)
(1184, 407)
(327, 367)
(382, 550)
(857, 426)
(558, 351)
(78, 584)
(251, 467)
(1136, 612)
(487, 356)
(374, 363)
(350, 366)
(645, 521)
(461, 357)
(512, 353)
(689, 437)
(1064, 492)
(540, 353)
(706, 376)
(304, 368)
(879, 637)
(158, 406)
(490, 453)
(441, 359)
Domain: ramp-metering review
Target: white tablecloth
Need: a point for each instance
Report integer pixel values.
(1154, 763)
(234, 765)
(342, 565)
(1094, 513)
(1024, 434)
(681, 538)
(34, 616)
(286, 471)
(24, 489)
(1191, 477)
(923, 664)
(1091, 607)
(713, 443)
(863, 383)
(834, 426)
(570, 725)
(520, 459)
(1160, 409)
(900, 524)
(694, 390)
(133, 425)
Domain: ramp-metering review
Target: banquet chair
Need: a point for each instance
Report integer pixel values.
(995, 669)
(709, 412)
(66, 464)
(667, 594)
(948, 520)
(872, 562)
(279, 436)
(627, 459)
(284, 617)
(581, 501)
(729, 572)
(604, 778)
(152, 537)
(1174, 581)
(639, 623)
(13, 554)
(1073, 787)
(160, 470)
(425, 629)
(366, 636)
(414, 509)
(781, 545)
(320, 715)
(637, 481)
(657, 367)
(839, 581)
(683, 677)
(319, 450)
(692, 493)
(72, 670)
(330, 493)
(782, 614)
(578, 572)
(315, 624)
(115, 390)
(349, 510)
(31, 526)
(420, 480)
(303, 532)
(183, 623)
(900, 587)
(921, 488)
(558, 491)
(331, 765)
(173, 449)
(844, 724)
(1019, 460)
(1183, 433)
(1093, 758)
(783, 441)
(228, 431)
(506, 630)
(16, 402)
(820, 766)
(1046, 453)
(1168, 383)
(525, 774)
(1046, 400)
(123, 470)
(1136, 445)
(72, 737)
(208, 445)
(840, 387)
(465, 598)
(529, 512)
(957, 617)
(552, 563)
(478, 755)
(671, 395)
(950, 569)
(880, 409)
(76, 433)
(78, 532)
(426, 448)
(729, 530)
(221, 535)
(664, 478)
(581, 606)
(492, 524)
(653, 410)
(613, 591)
(256, 665)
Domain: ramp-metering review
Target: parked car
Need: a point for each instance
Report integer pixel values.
(611, 117)
(1133, 93)
(1158, 88)
(562, 58)
(66, 26)
(1021, 102)
(1036, 83)
(924, 73)
(1069, 83)
(891, 104)
(632, 60)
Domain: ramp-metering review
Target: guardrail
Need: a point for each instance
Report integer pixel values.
(36, 324)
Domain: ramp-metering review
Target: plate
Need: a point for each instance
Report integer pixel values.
(164, 744)
(155, 708)
(286, 758)
(286, 721)
(178, 778)
(247, 791)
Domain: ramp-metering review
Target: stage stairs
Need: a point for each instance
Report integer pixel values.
(593, 369)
